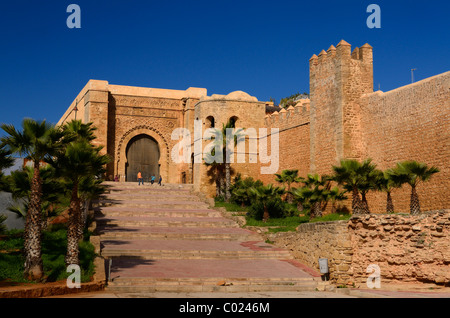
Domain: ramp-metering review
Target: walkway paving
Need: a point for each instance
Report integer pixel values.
(165, 239)
(164, 242)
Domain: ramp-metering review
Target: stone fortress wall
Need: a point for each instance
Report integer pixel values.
(344, 118)
(406, 248)
(410, 123)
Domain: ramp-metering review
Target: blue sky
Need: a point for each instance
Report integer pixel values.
(261, 47)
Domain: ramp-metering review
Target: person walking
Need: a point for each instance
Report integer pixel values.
(160, 180)
(140, 179)
(153, 179)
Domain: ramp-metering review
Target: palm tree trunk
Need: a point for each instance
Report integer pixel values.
(300, 207)
(389, 203)
(316, 211)
(32, 245)
(72, 231)
(80, 228)
(414, 203)
(227, 181)
(289, 197)
(356, 202)
(218, 190)
(266, 215)
(222, 184)
(365, 205)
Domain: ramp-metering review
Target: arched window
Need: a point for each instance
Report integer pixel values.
(210, 122)
(233, 121)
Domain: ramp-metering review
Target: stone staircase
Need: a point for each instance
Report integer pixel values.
(165, 239)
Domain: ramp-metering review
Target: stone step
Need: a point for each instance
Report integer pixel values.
(123, 221)
(155, 212)
(192, 249)
(114, 186)
(153, 204)
(167, 239)
(211, 284)
(193, 254)
(121, 235)
(148, 192)
(136, 281)
(124, 197)
(204, 269)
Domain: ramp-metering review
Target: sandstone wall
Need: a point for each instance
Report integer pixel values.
(410, 123)
(406, 248)
(338, 77)
(294, 125)
(409, 249)
(248, 113)
(312, 241)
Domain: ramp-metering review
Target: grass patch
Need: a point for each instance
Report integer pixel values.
(285, 224)
(331, 217)
(279, 224)
(291, 223)
(54, 248)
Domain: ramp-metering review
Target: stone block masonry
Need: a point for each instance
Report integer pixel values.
(410, 123)
(344, 119)
(312, 241)
(407, 248)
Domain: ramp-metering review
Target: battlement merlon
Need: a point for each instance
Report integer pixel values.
(343, 52)
(289, 116)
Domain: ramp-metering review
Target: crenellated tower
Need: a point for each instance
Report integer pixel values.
(338, 78)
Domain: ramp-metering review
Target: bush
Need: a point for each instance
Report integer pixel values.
(54, 247)
(276, 207)
(239, 190)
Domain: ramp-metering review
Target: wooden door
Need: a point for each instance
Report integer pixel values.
(142, 155)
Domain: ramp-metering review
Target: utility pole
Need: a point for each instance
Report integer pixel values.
(412, 74)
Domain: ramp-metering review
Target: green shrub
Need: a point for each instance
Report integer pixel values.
(276, 208)
(239, 190)
(54, 247)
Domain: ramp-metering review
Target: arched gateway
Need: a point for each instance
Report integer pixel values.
(142, 155)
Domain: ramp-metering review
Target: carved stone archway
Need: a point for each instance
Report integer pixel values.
(121, 158)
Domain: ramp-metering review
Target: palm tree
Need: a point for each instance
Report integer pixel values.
(52, 200)
(387, 184)
(240, 189)
(335, 195)
(220, 142)
(288, 177)
(348, 174)
(369, 177)
(77, 130)
(216, 173)
(5, 158)
(316, 191)
(36, 141)
(5, 162)
(300, 197)
(90, 188)
(80, 160)
(412, 172)
(265, 194)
